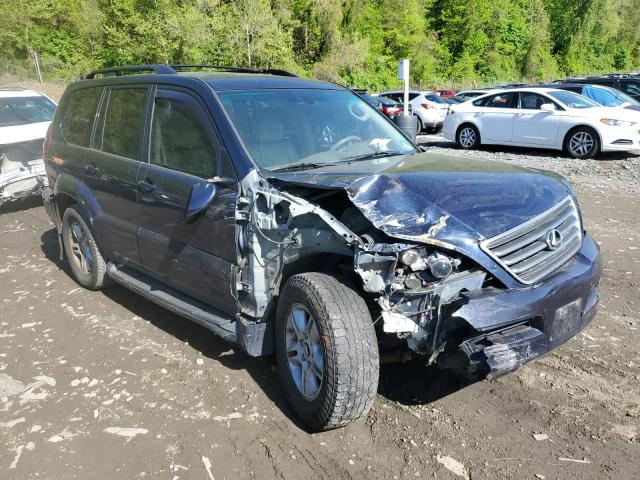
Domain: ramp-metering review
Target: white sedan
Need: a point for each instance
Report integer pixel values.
(543, 118)
(25, 116)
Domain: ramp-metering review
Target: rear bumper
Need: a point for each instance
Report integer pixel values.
(515, 326)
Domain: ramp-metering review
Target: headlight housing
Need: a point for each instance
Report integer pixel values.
(612, 122)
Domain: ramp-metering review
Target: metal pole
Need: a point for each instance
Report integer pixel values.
(37, 64)
(405, 80)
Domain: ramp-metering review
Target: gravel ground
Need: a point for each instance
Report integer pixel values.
(105, 385)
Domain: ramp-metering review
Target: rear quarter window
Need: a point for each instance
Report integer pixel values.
(79, 114)
(631, 88)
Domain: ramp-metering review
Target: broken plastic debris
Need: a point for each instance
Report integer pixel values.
(453, 466)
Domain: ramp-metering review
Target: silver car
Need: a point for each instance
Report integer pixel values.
(25, 116)
(427, 106)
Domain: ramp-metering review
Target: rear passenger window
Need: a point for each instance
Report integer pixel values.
(504, 100)
(78, 116)
(179, 138)
(122, 122)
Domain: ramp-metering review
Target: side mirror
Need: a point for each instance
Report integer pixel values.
(202, 194)
(548, 107)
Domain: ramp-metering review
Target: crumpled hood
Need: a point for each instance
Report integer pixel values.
(441, 199)
(23, 133)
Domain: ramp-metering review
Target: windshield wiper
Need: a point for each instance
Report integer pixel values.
(300, 166)
(371, 156)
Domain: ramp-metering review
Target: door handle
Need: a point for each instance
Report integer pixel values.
(146, 186)
(91, 169)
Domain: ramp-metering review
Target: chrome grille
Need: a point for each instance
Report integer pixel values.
(527, 254)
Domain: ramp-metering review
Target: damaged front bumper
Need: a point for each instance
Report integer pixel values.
(30, 179)
(514, 326)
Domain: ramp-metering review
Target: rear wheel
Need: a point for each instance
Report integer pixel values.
(468, 137)
(582, 142)
(327, 351)
(87, 263)
(420, 126)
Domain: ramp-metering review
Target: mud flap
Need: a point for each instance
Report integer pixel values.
(256, 339)
(51, 207)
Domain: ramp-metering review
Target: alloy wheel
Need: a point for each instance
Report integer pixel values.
(467, 137)
(304, 352)
(581, 143)
(80, 247)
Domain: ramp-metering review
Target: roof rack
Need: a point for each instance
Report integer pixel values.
(173, 69)
(226, 68)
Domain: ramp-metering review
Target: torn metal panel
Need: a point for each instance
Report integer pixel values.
(275, 229)
(22, 171)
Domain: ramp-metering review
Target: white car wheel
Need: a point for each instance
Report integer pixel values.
(468, 137)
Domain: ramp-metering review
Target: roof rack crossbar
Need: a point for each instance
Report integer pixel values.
(226, 68)
(117, 71)
(172, 69)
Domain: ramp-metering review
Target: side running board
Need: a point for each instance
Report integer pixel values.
(220, 323)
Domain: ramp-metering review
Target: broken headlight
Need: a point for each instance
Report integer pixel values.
(440, 265)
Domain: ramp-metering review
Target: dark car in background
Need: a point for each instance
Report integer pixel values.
(626, 83)
(447, 92)
(389, 107)
(292, 218)
(605, 96)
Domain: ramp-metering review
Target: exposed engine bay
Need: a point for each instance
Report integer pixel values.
(290, 229)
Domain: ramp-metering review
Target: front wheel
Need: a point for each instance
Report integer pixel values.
(582, 143)
(468, 137)
(326, 350)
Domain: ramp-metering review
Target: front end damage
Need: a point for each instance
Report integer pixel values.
(22, 171)
(426, 296)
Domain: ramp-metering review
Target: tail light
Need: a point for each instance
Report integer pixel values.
(45, 145)
(425, 105)
(391, 110)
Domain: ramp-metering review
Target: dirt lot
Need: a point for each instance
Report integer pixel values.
(104, 385)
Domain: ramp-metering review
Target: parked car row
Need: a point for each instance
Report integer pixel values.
(542, 117)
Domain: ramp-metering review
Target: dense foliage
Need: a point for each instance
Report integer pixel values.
(356, 42)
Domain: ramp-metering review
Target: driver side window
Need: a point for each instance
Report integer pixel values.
(180, 139)
(532, 101)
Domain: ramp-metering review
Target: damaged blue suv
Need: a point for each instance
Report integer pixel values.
(292, 218)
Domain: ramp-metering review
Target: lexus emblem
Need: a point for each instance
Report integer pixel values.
(553, 239)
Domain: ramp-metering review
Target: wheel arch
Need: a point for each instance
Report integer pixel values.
(69, 189)
(576, 127)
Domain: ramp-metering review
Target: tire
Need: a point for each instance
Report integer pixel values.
(468, 137)
(582, 143)
(341, 356)
(83, 255)
(420, 126)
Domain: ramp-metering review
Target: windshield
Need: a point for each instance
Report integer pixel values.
(282, 128)
(573, 100)
(25, 110)
(607, 96)
(387, 101)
